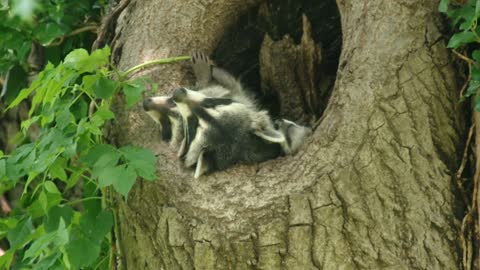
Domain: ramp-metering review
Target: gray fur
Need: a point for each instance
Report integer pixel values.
(227, 134)
(220, 125)
(211, 81)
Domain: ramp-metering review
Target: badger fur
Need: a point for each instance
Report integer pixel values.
(230, 132)
(219, 124)
(211, 81)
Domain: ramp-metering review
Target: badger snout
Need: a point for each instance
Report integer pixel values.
(147, 104)
(158, 103)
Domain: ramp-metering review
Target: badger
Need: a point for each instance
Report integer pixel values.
(229, 132)
(211, 81)
(220, 124)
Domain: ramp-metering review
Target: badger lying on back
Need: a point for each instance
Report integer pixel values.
(211, 81)
(230, 132)
(219, 124)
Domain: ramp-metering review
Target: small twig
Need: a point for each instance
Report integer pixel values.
(460, 170)
(463, 57)
(155, 62)
(59, 40)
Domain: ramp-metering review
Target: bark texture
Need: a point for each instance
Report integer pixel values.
(372, 188)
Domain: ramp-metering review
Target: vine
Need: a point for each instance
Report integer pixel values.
(464, 43)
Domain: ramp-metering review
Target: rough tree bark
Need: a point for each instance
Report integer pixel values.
(371, 189)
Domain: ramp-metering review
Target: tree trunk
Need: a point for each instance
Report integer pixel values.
(372, 188)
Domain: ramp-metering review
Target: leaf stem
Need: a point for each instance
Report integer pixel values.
(155, 62)
(82, 200)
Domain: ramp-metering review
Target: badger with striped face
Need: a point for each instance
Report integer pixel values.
(228, 132)
(210, 81)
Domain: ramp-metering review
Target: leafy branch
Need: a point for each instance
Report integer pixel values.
(70, 153)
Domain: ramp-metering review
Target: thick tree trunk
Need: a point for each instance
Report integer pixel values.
(371, 189)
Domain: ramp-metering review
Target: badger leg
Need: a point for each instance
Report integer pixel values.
(202, 68)
(227, 80)
(195, 148)
(202, 165)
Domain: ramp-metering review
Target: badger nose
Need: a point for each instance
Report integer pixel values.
(179, 94)
(146, 104)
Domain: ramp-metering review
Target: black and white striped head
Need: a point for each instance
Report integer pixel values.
(164, 111)
(294, 135)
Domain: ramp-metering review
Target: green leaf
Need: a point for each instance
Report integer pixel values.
(124, 181)
(104, 88)
(477, 103)
(108, 175)
(82, 252)
(57, 169)
(6, 259)
(461, 38)
(7, 224)
(143, 161)
(133, 92)
(96, 226)
(74, 177)
(52, 220)
(108, 159)
(475, 73)
(82, 62)
(51, 187)
(64, 118)
(18, 236)
(100, 56)
(88, 81)
(92, 156)
(101, 115)
(20, 162)
(472, 88)
(79, 109)
(58, 238)
(443, 6)
(48, 262)
(476, 55)
(76, 58)
(45, 201)
(3, 170)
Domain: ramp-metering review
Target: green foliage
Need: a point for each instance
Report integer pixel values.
(464, 19)
(67, 173)
(34, 31)
(46, 231)
(27, 21)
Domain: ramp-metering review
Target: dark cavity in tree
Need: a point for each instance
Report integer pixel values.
(286, 53)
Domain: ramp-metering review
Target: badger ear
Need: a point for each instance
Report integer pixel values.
(202, 166)
(271, 135)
